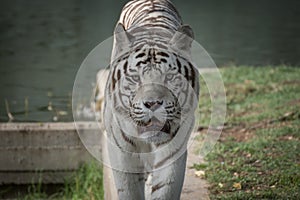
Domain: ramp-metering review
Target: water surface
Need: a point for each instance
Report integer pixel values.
(43, 42)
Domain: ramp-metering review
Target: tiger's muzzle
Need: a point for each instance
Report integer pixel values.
(155, 110)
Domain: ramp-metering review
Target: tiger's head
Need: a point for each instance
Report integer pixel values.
(152, 90)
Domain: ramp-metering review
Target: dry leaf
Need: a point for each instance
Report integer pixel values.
(237, 186)
(200, 173)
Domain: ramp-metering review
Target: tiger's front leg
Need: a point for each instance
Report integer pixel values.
(167, 183)
(163, 184)
(130, 186)
(120, 185)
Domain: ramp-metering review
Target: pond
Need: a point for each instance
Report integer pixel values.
(42, 44)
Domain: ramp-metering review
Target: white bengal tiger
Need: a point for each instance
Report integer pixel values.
(150, 98)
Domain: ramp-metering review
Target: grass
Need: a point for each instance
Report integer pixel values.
(258, 153)
(86, 184)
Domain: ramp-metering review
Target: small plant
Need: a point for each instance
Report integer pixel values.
(85, 184)
(35, 191)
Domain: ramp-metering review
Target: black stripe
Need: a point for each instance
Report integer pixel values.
(115, 139)
(160, 18)
(163, 54)
(118, 75)
(163, 60)
(158, 186)
(186, 73)
(179, 65)
(125, 67)
(113, 79)
(140, 55)
(127, 139)
(161, 10)
(159, 26)
(142, 4)
(128, 79)
(132, 70)
(144, 62)
(193, 75)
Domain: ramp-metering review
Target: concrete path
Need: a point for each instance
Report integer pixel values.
(194, 188)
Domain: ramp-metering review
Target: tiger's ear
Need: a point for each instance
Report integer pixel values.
(122, 40)
(183, 39)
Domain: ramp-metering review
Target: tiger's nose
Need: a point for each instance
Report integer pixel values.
(152, 104)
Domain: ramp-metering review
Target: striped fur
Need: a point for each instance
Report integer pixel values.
(150, 97)
(150, 14)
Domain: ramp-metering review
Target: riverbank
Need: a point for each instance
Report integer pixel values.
(257, 156)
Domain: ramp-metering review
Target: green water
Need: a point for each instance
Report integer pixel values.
(43, 42)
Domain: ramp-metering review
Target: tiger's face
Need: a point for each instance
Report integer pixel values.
(155, 110)
(155, 90)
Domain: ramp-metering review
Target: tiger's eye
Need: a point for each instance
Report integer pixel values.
(169, 76)
(136, 78)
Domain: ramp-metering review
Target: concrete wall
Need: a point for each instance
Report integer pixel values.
(27, 149)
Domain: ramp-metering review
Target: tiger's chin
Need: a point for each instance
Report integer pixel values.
(155, 137)
(155, 132)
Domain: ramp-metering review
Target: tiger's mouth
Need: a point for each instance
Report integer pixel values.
(154, 127)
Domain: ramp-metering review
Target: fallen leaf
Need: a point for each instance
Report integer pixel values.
(237, 186)
(200, 173)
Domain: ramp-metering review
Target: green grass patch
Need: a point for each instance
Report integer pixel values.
(86, 183)
(258, 156)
